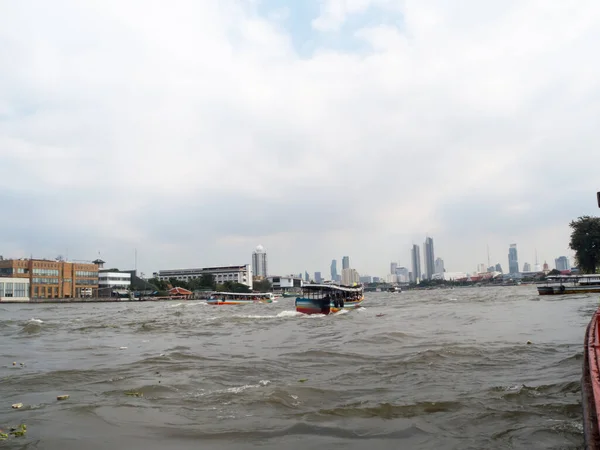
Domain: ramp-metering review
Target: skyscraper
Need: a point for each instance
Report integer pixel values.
(498, 268)
(393, 267)
(439, 265)
(259, 262)
(318, 278)
(513, 259)
(429, 258)
(345, 262)
(333, 270)
(306, 276)
(415, 257)
(526, 267)
(562, 263)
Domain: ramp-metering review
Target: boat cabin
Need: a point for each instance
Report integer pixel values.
(333, 292)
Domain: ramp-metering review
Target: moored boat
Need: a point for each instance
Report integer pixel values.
(570, 284)
(590, 384)
(238, 298)
(328, 298)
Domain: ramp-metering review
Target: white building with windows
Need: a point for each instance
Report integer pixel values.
(113, 283)
(14, 289)
(259, 262)
(235, 274)
(285, 283)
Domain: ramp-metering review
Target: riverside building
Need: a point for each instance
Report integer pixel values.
(235, 274)
(53, 278)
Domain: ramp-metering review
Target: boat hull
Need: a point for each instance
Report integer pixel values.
(563, 290)
(590, 384)
(319, 306)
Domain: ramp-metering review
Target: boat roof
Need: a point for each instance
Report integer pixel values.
(249, 294)
(572, 277)
(331, 287)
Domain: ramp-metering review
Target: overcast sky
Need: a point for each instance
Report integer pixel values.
(196, 130)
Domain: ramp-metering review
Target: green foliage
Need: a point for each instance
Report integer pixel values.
(174, 282)
(206, 281)
(585, 242)
(262, 286)
(230, 286)
(554, 272)
(160, 285)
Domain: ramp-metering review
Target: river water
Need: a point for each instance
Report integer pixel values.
(443, 369)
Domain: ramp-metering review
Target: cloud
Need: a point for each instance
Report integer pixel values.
(196, 132)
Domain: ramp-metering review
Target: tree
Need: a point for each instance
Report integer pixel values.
(262, 286)
(554, 272)
(230, 286)
(160, 285)
(585, 242)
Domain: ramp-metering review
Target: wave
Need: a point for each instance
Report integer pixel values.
(391, 411)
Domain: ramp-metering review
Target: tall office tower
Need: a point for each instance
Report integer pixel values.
(345, 262)
(562, 263)
(513, 259)
(333, 270)
(439, 265)
(415, 257)
(429, 258)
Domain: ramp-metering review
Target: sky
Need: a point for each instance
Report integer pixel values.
(191, 132)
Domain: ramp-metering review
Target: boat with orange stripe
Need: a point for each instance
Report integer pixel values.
(328, 298)
(239, 298)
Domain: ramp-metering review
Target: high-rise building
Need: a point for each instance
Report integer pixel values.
(513, 259)
(259, 262)
(306, 276)
(439, 265)
(402, 275)
(318, 278)
(562, 263)
(429, 258)
(481, 268)
(345, 262)
(393, 267)
(415, 257)
(498, 268)
(350, 277)
(333, 269)
(526, 267)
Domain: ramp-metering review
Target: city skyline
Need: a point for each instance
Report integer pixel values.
(183, 151)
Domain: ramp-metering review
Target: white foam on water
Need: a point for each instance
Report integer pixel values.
(36, 320)
(175, 305)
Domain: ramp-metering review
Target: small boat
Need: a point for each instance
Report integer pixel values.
(395, 289)
(570, 284)
(590, 384)
(238, 298)
(328, 298)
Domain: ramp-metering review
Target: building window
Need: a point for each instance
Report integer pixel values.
(1, 289)
(21, 290)
(36, 291)
(8, 290)
(45, 272)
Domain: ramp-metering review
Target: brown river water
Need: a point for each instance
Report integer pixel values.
(442, 369)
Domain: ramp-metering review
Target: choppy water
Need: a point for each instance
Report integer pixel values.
(446, 369)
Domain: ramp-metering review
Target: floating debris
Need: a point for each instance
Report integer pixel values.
(302, 380)
(20, 431)
(62, 397)
(529, 342)
(3, 436)
(122, 348)
(14, 363)
(17, 405)
(134, 394)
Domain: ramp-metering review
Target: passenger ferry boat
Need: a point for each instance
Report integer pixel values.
(570, 284)
(328, 298)
(238, 298)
